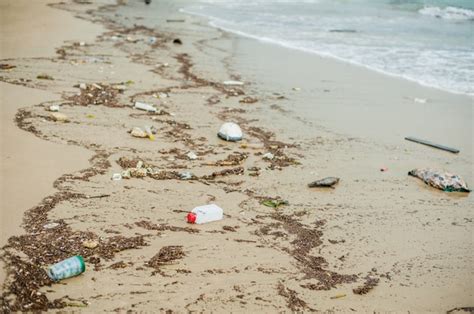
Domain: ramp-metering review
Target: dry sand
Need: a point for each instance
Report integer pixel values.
(405, 246)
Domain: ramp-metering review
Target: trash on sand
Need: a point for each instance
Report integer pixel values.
(297, 89)
(186, 175)
(338, 296)
(174, 21)
(326, 182)
(90, 116)
(51, 225)
(143, 106)
(177, 41)
(230, 131)
(67, 268)
(54, 108)
(151, 40)
(90, 244)
(192, 156)
(233, 83)
(116, 177)
(384, 169)
(441, 180)
(204, 214)
(428, 143)
(248, 100)
(268, 156)
(83, 86)
(45, 77)
(6, 66)
(420, 100)
(138, 132)
(59, 117)
(274, 203)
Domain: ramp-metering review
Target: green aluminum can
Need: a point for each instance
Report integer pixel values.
(70, 267)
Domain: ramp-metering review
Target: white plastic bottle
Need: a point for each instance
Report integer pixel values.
(204, 214)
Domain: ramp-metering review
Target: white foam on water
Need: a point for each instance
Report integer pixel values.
(448, 13)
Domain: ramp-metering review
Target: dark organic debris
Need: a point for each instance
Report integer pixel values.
(166, 256)
(225, 172)
(293, 302)
(177, 41)
(5, 66)
(248, 100)
(164, 227)
(369, 284)
(96, 94)
(44, 77)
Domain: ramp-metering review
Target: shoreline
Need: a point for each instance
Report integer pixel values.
(331, 57)
(257, 258)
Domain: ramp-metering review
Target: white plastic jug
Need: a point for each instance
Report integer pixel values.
(204, 214)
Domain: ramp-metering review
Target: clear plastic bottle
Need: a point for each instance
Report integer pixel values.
(204, 214)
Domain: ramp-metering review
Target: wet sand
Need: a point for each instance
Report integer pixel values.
(379, 241)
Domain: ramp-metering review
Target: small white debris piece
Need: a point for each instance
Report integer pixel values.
(138, 132)
(51, 225)
(296, 89)
(90, 244)
(230, 131)
(54, 108)
(420, 100)
(59, 117)
(192, 156)
(83, 86)
(268, 156)
(233, 83)
(116, 177)
(143, 106)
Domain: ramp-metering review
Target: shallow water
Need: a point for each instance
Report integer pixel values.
(430, 42)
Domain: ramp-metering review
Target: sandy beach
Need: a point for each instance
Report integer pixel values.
(379, 241)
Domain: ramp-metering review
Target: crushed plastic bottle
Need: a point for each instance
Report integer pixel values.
(67, 268)
(205, 214)
(441, 180)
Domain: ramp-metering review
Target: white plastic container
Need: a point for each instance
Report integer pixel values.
(205, 214)
(143, 106)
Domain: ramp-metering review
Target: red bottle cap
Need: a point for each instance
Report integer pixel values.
(191, 218)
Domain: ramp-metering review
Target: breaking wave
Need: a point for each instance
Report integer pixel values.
(448, 13)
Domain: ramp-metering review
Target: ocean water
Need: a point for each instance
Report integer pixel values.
(427, 41)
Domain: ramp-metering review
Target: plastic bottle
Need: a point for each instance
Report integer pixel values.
(204, 214)
(67, 268)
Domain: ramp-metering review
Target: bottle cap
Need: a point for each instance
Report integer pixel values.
(191, 218)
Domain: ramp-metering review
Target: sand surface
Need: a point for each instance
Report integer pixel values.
(378, 241)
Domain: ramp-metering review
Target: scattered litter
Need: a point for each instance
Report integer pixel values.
(151, 40)
(6, 66)
(338, 296)
(296, 89)
(445, 181)
(143, 106)
(116, 177)
(428, 143)
(54, 108)
(384, 169)
(268, 156)
(90, 116)
(44, 77)
(248, 100)
(175, 21)
(326, 182)
(129, 82)
(138, 132)
(274, 203)
(90, 244)
(83, 86)
(51, 225)
(131, 39)
(177, 41)
(204, 214)
(230, 131)
(233, 83)
(420, 100)
(67, 268)
(192, 156)
(82, 43)
(59, 117)
(186, 175)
